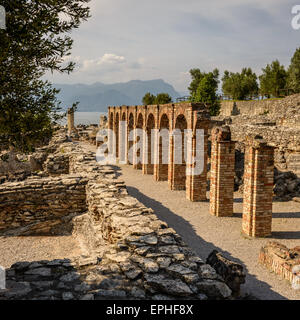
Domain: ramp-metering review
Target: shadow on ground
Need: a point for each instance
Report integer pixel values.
(203, 248)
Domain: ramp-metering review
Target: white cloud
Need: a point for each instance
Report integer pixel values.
(107, 60)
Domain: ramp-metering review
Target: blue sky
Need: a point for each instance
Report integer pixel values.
(163, 39)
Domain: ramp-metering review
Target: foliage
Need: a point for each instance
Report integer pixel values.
(293, 81)
(240, 86)
(161, 98)
(35, 41)
(273, 80)
(203, 88)
(148, 99)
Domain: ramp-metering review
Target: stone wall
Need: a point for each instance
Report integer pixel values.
(128, 252)
(251, 108)
(57, 164)
(39, 204)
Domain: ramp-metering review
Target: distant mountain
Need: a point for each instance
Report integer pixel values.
(98, 96)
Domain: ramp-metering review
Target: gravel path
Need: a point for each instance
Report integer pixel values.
(204, 232)
(16, 249)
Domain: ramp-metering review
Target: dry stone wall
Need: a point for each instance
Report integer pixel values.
(39, 204)
(130, 253)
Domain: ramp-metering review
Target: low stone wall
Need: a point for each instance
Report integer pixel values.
(39, 204)
(282, 261)
(57, 164)
(128, 252)
(146, 248)
(251, 108)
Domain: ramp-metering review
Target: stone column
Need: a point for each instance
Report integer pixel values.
(71, 125)
(222, 172)
(258, 188)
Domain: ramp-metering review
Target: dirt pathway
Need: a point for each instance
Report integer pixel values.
(204, 232)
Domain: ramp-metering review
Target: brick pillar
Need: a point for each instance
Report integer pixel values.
(161, 168)
(196, 184)
(71, 125)
(222, 172)
(137, 152)
(178, 170)
(258, 188)
(147, 168)
(171, 163)
(116, 137)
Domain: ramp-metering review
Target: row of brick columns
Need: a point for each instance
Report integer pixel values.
(258, 177)
(258, 181)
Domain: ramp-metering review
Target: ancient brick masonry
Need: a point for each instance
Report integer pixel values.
(222, 172)
(192, 116)
(258, 188)
(282, 261)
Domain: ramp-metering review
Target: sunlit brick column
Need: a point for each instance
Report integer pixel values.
(147, 167)
(222, 172)
(162, 149)
(258, 188)
(171, 162)
(178, 180)
(71, 125)
(196, 184)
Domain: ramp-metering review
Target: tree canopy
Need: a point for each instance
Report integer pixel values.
(203, 88)
(273, 80)
(161, 98)
(36, 40)
(240, 86)
(293, 81)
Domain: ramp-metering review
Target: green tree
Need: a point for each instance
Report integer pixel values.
(206, 93)
(273, 79)
(35, 41)
(293, 81)
(148, 99)
(163, 98)
(240, 86)
(203, 88)
(197, 76)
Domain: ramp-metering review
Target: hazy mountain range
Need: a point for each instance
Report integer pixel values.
(98, 96)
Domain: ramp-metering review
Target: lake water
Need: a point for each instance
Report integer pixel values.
(86, 118)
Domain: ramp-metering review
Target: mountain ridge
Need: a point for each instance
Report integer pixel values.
(98, 96)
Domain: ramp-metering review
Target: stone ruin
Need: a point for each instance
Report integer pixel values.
(263, 141)
(259, 161)
(126, 251)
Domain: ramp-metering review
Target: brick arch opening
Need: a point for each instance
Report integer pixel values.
(130, 143)
(179, 169)
(111, 121)
(139, 125)
(161, 172)
(117, 133)
(123, 116)
(148, 167)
